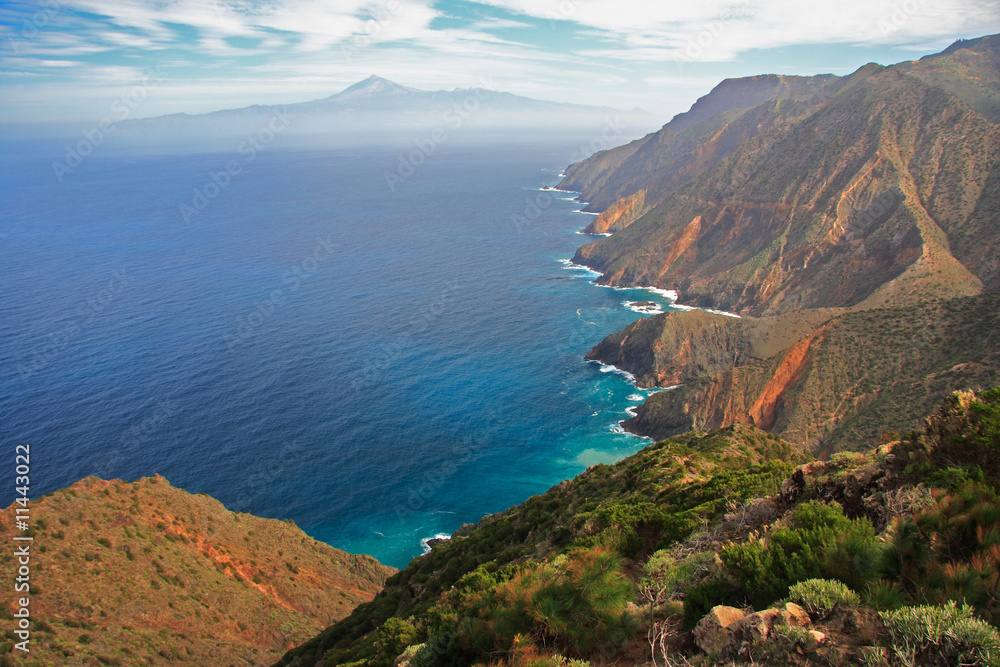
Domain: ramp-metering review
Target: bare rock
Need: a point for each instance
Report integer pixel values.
(713, 633)
(793, 614)
(757, 626)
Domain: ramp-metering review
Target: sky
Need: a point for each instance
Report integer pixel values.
(73, 60)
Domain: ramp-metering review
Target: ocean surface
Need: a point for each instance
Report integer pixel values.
(380, 365)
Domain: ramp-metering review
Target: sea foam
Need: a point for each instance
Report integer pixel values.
(424, 543)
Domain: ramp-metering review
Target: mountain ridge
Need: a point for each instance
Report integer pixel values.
(145, 573)
(875, 201)
(375, 105)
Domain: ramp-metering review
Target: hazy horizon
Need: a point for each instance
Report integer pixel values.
(74, 61)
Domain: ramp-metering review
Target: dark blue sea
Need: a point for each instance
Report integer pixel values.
(379, 365)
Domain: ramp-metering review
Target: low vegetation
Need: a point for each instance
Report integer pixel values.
(144, 573)
(888, 557)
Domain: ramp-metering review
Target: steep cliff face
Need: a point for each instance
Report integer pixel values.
(837, 387)
(718, 124)
(619, 215)
(855, 203)
(145, 573)
(677, 347)
(886, 189)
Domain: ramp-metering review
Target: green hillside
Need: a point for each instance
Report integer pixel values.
(647, 549)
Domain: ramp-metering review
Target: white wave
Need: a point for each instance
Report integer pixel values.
(665, 293)
(722, 312)
(631, 411)
(580, 210)
(680, 306)
(641, 307)
(654, 390)
(608, 368)
(636, 397)
(570, 264)
(439, 536)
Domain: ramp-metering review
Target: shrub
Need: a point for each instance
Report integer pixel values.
(818, 541)
(950, 550)
(391, 639)
(821, 597)
(884, 595)
(576, 602)
(945, 635)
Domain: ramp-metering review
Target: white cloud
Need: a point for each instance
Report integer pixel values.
(237, 52)
(719, 30)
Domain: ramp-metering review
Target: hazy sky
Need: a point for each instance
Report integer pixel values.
(76, 59)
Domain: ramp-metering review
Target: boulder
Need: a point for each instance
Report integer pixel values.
(757, 626)
(713, 633)
(792, 614)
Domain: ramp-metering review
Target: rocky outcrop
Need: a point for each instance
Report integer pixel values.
(712, 634)
(838, 387)
(679, 346)
(619, 215)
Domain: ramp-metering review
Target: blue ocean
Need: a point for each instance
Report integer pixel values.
(379, 364)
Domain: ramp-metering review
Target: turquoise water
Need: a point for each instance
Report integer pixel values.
(380, 366)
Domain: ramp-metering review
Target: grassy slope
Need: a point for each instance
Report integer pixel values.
(645, 501)
(699, 501)
(146, 574)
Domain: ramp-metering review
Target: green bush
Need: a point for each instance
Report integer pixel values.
(577, 602)
(950, 550)
(391, 640)
(817, 542)
(941, 635)
(821, 597)
(884, 595)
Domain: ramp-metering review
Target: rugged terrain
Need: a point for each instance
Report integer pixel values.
(857, 231)
(880, 188)
(144, 573)
(828, 379)
(709, 547)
